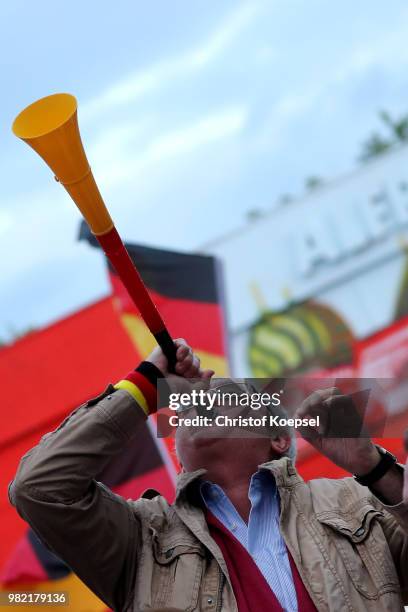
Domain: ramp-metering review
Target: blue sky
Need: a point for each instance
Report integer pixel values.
(192, 113)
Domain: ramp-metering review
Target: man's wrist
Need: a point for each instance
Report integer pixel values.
(388, 489)
(150, 371)
(382, 468)
(367, 462)
(141, 383)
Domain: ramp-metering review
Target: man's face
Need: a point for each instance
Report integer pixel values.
(199, 446)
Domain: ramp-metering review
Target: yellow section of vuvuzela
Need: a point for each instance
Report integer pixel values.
(50, 127)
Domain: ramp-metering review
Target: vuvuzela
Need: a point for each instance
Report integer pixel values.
(50, 127)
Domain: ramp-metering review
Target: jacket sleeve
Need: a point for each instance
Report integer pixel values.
(95, 532)
(395, 528)
(397, 539)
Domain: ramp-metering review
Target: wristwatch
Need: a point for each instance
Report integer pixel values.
(386, 462)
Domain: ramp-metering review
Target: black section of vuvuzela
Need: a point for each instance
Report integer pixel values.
(166, 343)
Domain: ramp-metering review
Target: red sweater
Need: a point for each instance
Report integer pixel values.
(251, 590)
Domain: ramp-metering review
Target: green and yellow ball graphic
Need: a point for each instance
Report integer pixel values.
(301, 338)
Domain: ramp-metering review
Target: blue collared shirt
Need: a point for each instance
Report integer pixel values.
(261, 537)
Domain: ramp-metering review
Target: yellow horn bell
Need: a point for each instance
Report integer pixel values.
(50, 127)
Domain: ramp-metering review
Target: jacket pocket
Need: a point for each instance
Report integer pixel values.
(360, 542)
(177, 574)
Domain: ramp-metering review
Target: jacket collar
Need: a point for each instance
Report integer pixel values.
(283, 470)
(185, 480)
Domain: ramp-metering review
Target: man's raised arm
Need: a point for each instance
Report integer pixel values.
(95, 532)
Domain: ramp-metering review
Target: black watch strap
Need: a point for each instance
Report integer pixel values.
(387, 460)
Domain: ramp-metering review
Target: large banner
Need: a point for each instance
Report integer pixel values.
(321, 284)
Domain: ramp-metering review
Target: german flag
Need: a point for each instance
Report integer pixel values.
(185, 288)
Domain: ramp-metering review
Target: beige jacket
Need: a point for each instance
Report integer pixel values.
(350, 549)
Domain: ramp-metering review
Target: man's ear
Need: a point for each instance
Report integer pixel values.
(280, 445)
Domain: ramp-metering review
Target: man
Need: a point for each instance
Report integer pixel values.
(245, 532)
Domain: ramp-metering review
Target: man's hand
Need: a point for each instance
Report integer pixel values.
(356, 455)
(187, 366)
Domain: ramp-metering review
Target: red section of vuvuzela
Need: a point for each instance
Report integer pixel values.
(117, 254)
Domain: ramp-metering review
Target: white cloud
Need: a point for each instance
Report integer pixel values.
(116, 141)
(209, 129)
(115, 164)
(43, 222)
(156, 76)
